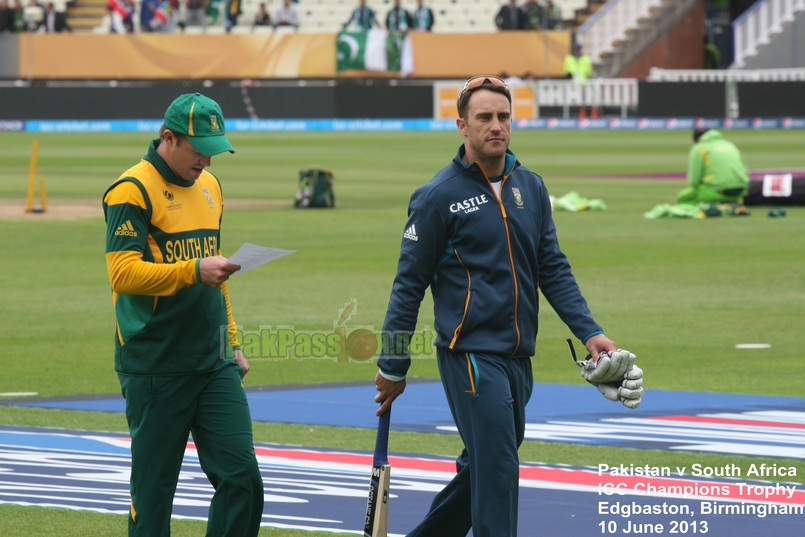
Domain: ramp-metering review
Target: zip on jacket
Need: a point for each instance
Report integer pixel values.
(483, 276)
(511, 259)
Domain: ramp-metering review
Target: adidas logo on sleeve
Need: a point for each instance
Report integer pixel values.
(126, 229)
(410, 233)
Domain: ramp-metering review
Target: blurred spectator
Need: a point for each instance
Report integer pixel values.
(511, 17)
(33, 14)
(55, 21)
(196, 13)
(164, 19)
(712, 56)
(553, 16)
(287, 15)
(128, 20)
(6, 18)
(363, 17)
(398, 19)
(233, 11)
(262, 18)
(19, 16)
(578, 66)
(214, 9)
(147, 9)
(118, 13)
(423, 17)
(534, 14)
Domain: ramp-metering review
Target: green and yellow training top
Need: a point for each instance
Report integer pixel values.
(158, 229)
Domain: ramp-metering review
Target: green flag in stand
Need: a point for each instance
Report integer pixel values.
(394, 46)
(361, 50)
(374, 50)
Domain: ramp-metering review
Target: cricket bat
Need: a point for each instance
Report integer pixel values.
(377, 506)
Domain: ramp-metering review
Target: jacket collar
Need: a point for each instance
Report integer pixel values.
(475, 171)
(162, 167)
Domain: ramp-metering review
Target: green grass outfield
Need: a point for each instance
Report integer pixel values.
(679, 293)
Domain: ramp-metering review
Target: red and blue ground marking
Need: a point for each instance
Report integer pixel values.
(311, 488)
(322, 489)
(674, 420)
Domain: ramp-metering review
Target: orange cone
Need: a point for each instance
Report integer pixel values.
(583, 113)
(594, 112)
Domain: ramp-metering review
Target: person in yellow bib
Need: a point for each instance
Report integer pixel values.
(717, 172)
(578, 66)
(177, 355)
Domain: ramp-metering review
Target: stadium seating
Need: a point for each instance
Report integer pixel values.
(329, 15)
(87, 15)
(450, 15)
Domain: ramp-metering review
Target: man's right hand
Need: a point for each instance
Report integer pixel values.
(216, 270)
(389, 391)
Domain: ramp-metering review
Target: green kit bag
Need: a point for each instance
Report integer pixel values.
(315, 188)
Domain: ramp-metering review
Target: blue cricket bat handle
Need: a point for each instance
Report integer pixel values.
(381, 457)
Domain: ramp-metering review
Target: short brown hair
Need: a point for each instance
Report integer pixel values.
(178, 135)
(491, 83)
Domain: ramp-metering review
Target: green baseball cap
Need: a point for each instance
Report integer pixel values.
(201, 120)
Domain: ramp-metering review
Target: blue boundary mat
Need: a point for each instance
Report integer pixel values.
(698, 421)
(325, 489)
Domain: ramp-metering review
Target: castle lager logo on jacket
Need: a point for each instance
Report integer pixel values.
(469, 205)
(168, 195)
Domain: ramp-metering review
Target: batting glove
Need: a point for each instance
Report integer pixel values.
(629, 391)
(610, 367)
(615, 375)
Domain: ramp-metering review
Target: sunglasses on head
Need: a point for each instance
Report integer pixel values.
(478, 81)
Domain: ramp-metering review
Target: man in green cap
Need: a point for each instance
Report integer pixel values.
(717, 172)
(176, 351)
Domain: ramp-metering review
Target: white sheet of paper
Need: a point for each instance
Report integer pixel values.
(250, 255)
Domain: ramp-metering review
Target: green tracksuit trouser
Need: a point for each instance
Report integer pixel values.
(161, 412)
(704, 194)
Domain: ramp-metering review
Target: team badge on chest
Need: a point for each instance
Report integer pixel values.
(518, 199)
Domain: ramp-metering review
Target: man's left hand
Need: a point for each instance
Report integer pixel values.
(241, 361)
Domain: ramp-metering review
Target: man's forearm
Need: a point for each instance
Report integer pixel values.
(130, 275)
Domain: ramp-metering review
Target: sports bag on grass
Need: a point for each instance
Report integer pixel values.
(315, 188)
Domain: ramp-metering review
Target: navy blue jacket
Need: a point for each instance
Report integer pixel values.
(483, 260)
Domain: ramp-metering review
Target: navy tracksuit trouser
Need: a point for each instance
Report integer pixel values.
(487, 396)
